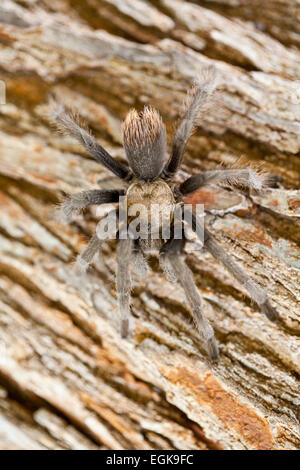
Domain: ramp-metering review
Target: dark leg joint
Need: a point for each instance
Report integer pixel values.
(173, 246)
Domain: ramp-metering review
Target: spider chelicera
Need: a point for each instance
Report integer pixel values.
(149, 179)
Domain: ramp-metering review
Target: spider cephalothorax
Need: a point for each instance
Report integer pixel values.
(144, 137)
(148, 181)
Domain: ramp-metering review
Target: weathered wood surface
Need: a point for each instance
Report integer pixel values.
(67, 378)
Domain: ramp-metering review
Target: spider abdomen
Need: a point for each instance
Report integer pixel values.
(152, 203)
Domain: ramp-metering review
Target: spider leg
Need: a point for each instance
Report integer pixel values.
(123, 283)
(198, 97)
(86, 257)
(140, 264)
(73, 205)
(69, 123)
(246, 177)
(171, 246)
(171, 250)
(256, 292)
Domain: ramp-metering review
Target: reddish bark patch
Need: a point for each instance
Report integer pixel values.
(6, 38)
(254, 235)
(4, 200)
(201, 196)
(273, 203)
(43, 178)
(294, 204)
(213, 198)
(32, 89)
(208, 391)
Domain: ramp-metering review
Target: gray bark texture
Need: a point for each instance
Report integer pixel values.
(67, 379)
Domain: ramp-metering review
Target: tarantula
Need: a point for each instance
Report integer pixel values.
(149, 179)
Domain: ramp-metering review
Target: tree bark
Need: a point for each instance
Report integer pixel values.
(67, 379)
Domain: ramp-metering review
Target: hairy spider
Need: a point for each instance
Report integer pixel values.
(149, 179)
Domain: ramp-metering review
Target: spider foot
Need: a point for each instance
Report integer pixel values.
(124, 328)
(213, 350)
(274, 180)
(269, 311)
